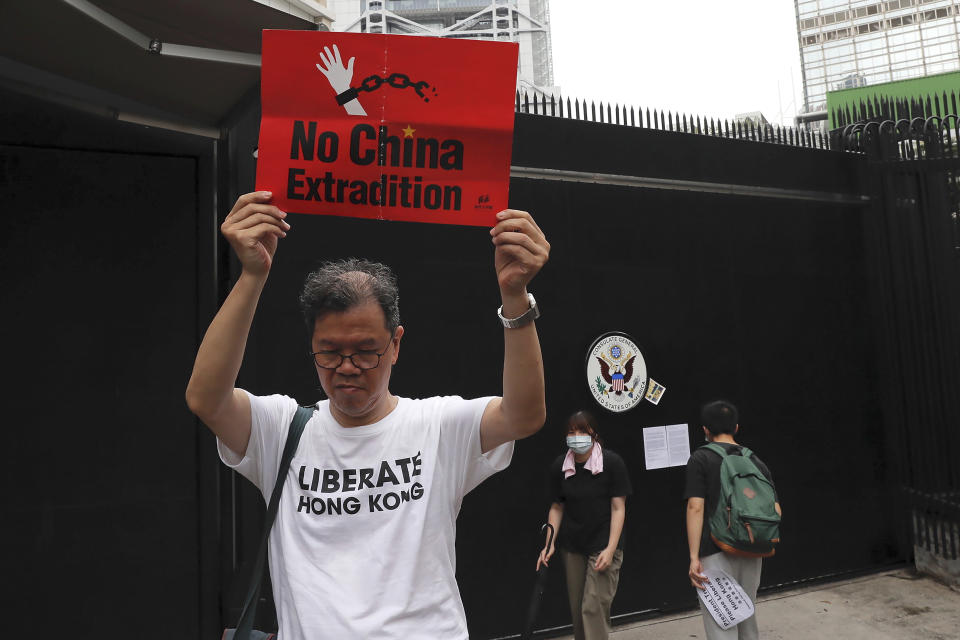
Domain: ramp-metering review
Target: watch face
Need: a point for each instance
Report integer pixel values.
(616, 372)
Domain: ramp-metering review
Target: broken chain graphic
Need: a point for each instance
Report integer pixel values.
(395, 80)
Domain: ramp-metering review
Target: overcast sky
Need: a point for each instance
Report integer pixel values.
(705, 57)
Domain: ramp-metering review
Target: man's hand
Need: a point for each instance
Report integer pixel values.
(521, 252)
(253, 228)
(696, 573)
(545, 555)
(604, 559)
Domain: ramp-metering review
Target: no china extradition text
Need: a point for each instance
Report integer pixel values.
(374, 146)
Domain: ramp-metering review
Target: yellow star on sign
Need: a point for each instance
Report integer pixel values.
(408, 132)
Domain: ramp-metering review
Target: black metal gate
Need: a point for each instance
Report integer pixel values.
(914, 163)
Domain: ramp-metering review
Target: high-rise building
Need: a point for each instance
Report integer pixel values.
(526, 22)
(854, 43)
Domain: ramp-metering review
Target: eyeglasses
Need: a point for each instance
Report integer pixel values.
(361, 359)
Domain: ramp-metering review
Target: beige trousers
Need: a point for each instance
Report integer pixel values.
(746, 571)
(591, 593)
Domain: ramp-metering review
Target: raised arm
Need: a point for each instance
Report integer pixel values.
(253, 229)
(521, 251)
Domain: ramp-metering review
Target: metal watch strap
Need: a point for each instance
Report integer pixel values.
(522, 320)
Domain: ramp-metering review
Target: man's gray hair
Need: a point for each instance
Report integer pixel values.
(344, 284)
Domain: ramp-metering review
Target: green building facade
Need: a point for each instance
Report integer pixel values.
(912, 88)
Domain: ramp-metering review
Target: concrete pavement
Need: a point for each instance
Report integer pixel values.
(895, 605)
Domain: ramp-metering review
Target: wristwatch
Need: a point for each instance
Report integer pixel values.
(526, 318)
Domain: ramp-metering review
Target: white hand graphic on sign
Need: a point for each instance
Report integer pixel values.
(339, 77)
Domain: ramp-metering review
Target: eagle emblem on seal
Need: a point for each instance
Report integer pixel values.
(616, 367)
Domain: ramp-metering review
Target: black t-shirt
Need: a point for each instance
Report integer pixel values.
(703, 481)
(585, 497)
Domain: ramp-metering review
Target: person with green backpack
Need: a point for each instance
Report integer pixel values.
(733, 513)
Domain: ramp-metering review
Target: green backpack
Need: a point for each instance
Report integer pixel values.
(746, 522)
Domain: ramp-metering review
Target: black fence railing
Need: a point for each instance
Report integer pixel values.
(904, 129)
(882, 108)
(914, 171)
(661, 120)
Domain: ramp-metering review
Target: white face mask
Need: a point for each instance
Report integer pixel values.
(579, 444)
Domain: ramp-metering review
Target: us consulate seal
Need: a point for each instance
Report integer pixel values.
(616, 372)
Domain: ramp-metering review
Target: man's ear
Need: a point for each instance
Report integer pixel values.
(396, 344)
(706, 433)
(736, 429)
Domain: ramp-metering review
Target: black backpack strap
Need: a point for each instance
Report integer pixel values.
(245, 625)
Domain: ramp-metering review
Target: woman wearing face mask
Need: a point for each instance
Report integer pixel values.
(589, 485)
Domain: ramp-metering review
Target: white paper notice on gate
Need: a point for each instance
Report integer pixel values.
(667, 446)
(725, 599)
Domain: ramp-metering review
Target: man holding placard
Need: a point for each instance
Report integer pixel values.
(363, 543)
(708, 536)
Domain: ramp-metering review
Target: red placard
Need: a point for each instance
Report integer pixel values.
(387, 126)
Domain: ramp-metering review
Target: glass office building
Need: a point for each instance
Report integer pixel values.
(526, 22)
(855, 43)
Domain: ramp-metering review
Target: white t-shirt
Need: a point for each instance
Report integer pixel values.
(363, 544)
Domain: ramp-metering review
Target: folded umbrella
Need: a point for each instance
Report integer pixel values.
(538, 589)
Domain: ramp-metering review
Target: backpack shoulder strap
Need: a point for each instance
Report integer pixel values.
(300, 419)
(717, 449)
(746, 453)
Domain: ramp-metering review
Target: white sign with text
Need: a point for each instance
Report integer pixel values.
(725, 599)
(667, 446)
